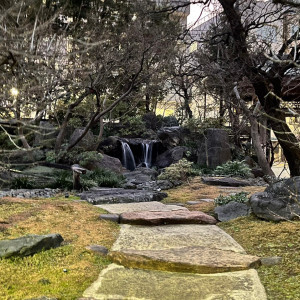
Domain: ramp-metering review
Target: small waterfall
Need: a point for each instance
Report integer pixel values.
(128, 158)
(147, 154)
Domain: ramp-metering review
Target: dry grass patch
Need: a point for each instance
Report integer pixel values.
(195, 190)
(64, 272)
(265, 239)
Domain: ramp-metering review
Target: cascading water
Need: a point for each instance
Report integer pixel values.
(128, 158)
(147, 154)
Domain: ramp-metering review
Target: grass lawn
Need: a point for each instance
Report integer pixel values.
(64, 272)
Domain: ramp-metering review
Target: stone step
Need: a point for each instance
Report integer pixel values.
(118, 282)
(120, 208)
(166, 217)
(119, 195)
(187, 259)
(181, 248)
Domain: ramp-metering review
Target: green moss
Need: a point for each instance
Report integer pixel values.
(265, 239)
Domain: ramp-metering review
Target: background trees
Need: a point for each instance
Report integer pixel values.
(63, 55)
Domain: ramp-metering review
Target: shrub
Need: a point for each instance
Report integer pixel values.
(177, 171)
(100, 177)
(51, 156)
(233, 168)
(86, 157)
(22, 183)
(241, 197)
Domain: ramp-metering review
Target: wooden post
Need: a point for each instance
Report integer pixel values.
(77, 171)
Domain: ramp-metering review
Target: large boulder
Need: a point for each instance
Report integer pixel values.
(170, 156)
(231, 211)
(170, 136)
(106, 162)
(29, 245)
(86, 143)
(213, 148)
(279, 201)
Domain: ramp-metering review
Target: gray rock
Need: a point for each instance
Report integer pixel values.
(107, 162)
(280, 201)
(101, 250)
(271, 261)
(45, 135)
(140, 175)
(110, 217)
(231, 211)
(86, 143)
(170, 136)
(225, 181)
(214, 148)
(119, 195)
(29, 245)
(170, 156)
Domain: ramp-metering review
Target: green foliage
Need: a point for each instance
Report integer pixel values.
(199, 126)
(132, 126)
(198, 170)
(233, 168)
(170, 121)
(241, 197)
(51, 156)
(103, 177)
(62, 180)
(177, 171)
(22, 183)
(99, 177)
(85, 157)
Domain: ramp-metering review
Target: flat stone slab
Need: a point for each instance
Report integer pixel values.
(117, 282)
(174, 236)
(181, 248)
(166, 217)
(119, 195)
(187, 259)
(139, 206)
(29, 244)
(225, 181)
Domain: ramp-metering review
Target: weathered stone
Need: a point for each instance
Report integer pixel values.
(170, 136)
(271, 261)
(87, 142)
(182, 248)
(119, 195)
(29, 245)
(280, 201)
(225, 181)
(106, 162)
(166, 217)
(140, 175)
(199, 201)
(170, 156)
(174, 236)
(187, 259)
(214, 148)
(232, 210)
(110, 217)
(117, 282)
(120, 208)
(101, 250)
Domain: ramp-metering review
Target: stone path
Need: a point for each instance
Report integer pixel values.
(170, 262)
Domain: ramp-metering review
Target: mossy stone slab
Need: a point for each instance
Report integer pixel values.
(118, 282)
(174, 236)
(120, 208)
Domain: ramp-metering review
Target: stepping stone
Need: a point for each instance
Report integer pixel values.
(187, 259)
(166, 217)
(118, 195)
(117, 282)
(199, 201)
(139, 206)
(181, 248)
(225, 181)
